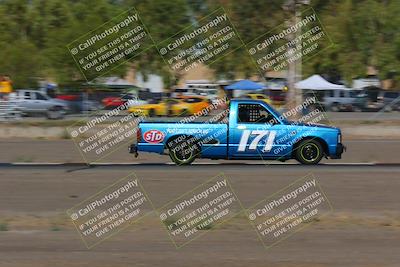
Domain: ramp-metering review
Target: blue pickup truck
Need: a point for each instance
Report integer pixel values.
(248, 130)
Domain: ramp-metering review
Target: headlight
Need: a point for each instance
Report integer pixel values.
(339, 138)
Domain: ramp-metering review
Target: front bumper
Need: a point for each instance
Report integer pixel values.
(340, 148)
(133, 149)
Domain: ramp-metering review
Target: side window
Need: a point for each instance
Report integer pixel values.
(254, 113)
(341, 93)
(39, 96)
(391, 95)
(27, 95)
(171, 101)
(193, 100)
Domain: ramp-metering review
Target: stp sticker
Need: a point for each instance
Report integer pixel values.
(153, 136)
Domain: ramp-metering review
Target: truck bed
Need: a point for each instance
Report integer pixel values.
(181, 120)
(212, 135)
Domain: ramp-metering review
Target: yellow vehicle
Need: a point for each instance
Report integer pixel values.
(172, 107)
(259, 97)
(193, 104)
(164, 107)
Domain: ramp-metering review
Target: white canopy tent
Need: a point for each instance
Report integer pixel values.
(316, 82)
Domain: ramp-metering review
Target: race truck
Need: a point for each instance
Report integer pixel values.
(248, 130)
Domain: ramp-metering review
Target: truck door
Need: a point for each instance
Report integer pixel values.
(26, 99)
(254, 131)
(40, 103)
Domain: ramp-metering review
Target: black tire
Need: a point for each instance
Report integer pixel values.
(152, 113)
(55, 113)
(309, 152)
(182, 150)
(335, 107)
(356, 109)
(387, 109)
(185, 113)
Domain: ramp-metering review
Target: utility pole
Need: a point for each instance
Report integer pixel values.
(294, 97)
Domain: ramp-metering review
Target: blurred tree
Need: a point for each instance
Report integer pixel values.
(251, 19)
(163, 19)
(34, 35)
(18, 54)
(365, 33)
(20, 61)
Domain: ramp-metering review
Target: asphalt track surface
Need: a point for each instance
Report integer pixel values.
(41, 179)
(362, 230)
(64, 151)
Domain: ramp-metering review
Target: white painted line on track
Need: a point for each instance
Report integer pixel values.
(115, 163)
(372, 141)
(205, 163)
(195, 163)
(36, 163)
(352, 163)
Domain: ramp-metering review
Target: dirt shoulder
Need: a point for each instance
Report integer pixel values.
(364, 222)
(56, 130)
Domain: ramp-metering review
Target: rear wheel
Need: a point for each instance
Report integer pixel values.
(184, 112)
(55, 113)
(335, 107)
(309, 152)
(152, 113)
(182, 150)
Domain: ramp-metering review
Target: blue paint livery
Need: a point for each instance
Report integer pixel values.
(237, 140)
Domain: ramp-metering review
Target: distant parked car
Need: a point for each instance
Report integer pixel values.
(183, 106)
(35, 102)
(78, 104)
(112, 102)
(259, 97)
(344, 100)
(389, 100)
(193, 104)
(166, 107)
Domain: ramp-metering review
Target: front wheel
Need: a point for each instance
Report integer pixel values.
(182, 150)
(309, 152)
(55, 113)
(356, 109)
(388, 109)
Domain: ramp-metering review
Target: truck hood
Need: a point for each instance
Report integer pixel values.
(318, 125)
